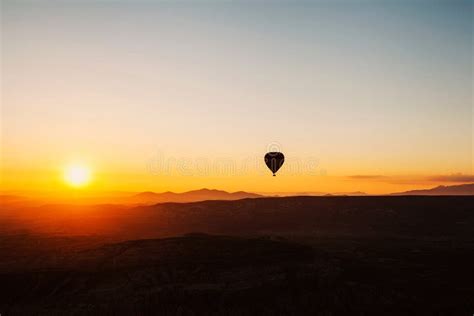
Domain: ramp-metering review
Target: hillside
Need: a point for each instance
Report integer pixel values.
(199, 274)
(407, 216)
(461, 189)
(395, 255)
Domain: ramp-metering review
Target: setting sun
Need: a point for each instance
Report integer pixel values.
(77, 175)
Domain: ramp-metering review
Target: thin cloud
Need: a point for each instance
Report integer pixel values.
(367, 177)
(457, 178)
(398, 180)
(416, 180)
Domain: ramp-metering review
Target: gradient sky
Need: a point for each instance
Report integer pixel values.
(177, 95)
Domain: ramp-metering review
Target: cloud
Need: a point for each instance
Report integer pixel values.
(367, 177)
(458, 177)
(415, 180)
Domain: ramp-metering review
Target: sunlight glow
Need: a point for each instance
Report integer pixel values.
(77, 175)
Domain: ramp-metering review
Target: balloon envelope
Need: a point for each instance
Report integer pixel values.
(274, 160)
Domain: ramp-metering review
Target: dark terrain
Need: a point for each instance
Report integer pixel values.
(394, 255)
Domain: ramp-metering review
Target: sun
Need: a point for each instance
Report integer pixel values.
(77, 175)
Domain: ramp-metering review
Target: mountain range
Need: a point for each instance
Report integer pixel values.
(209, 194)
(461, 189)
(191, 196)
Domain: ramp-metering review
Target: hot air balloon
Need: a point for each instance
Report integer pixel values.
(274, 160)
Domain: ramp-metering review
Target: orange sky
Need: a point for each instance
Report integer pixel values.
(162, 96)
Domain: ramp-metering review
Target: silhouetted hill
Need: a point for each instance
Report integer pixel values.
(370, 255)
(199, 274)
(286, 194)
(191, 196)
(462, 189)
(355, 193)
(331, 216)
(410, 216)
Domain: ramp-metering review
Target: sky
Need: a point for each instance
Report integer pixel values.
(373, 96)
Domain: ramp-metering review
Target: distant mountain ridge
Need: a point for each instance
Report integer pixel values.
(212, 194)
(310, 193)
(461, 189)
(191, 196)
